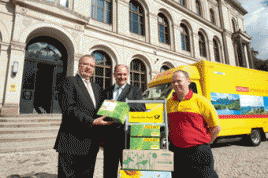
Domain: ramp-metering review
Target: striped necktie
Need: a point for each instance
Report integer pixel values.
(90, 92)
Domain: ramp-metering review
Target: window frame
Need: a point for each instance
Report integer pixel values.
(106, 13)
(212, 16)
(166, 28)
(202, 45)
(186, 38)
(198, 7)
(105, 67)
(140, 13)
(216, 49)
(141, 71)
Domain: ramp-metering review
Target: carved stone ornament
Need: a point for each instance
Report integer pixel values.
(26, 21)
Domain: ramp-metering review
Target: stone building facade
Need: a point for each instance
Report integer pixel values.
(42, 40)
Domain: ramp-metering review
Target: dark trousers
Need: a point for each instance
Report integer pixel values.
(76, 166)
(114, 143)
(194, 162)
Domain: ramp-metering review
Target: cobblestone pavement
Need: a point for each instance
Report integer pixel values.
(231, 161)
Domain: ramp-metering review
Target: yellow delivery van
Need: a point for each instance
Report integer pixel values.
(239, 95)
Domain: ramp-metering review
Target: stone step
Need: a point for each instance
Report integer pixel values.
(30, 119)
(27, 137)
(28, 124)
(27, 145)
(22, 130)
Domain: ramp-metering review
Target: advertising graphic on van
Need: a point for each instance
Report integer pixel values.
(237, 104)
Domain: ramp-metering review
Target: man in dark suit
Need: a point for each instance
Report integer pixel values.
(78, 138)
(114, 135)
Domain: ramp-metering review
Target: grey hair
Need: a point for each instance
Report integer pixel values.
(184, 73)
(86, 55)
(115, 67)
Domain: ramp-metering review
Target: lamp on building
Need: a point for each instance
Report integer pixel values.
(15, 68)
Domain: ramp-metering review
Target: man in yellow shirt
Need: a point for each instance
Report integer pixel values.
(193, 124)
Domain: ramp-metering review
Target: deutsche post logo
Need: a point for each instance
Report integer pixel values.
(156, 116)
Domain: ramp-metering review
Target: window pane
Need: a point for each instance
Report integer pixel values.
(135, 17)
(107, 72)
(136, 77)
(108, 17)
(135, 27)
(137, 84)
(101, 3)
(134, 8)
(99, 14)
(99, 71)
(99, 58)
(162, 38)
(99, 81)
(107, 83)
(161, 28)
(64, 3)
(140, 19)
(93, 11)
(108, 5)
(136, 66)
(142, 30)
(143, 78)
(182, 42)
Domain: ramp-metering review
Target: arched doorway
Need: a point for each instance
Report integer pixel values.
(45, 64)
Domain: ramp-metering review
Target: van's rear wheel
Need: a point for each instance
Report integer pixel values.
(255, 137)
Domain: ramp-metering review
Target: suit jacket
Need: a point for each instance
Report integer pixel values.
(130, 92)
(77, 135)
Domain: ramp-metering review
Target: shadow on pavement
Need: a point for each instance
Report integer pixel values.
(37, 175)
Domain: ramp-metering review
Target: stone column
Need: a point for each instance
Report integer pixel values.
(3, 63)
(250, 60)
(12, 90)
(224, 34)
(196, 46)
(123, 17)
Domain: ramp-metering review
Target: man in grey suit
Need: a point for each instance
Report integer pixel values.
(78, 139)
(113, 135)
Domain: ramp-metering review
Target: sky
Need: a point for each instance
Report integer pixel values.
(256, 25)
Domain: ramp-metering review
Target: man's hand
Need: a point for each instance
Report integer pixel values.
(100, 121)
(214, 131)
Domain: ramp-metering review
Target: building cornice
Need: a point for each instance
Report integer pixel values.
(238, 6)
(53, 8)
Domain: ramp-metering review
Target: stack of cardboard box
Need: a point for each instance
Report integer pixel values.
(145, 159)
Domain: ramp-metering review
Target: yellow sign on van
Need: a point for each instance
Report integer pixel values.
(146, 117)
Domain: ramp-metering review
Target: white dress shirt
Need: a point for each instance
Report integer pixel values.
(90, 89)
(116, 93)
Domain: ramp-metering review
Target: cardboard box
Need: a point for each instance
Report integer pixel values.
(146, 117)
(152, 160)
(144, 143)
(145, 130)
(114, 109)
(144, 174)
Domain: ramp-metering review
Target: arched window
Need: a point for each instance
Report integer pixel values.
(102, 10)
(163, 29)
(185, 38)
(212, 16)
(136, 18)
(183, 2)
(216, 50)
(202, 45)
(234, 25)
(138, 74)
(102, 75)
(198, 8)
(164, 68)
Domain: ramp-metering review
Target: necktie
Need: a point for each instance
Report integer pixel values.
(117, 93)
(90, 92)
